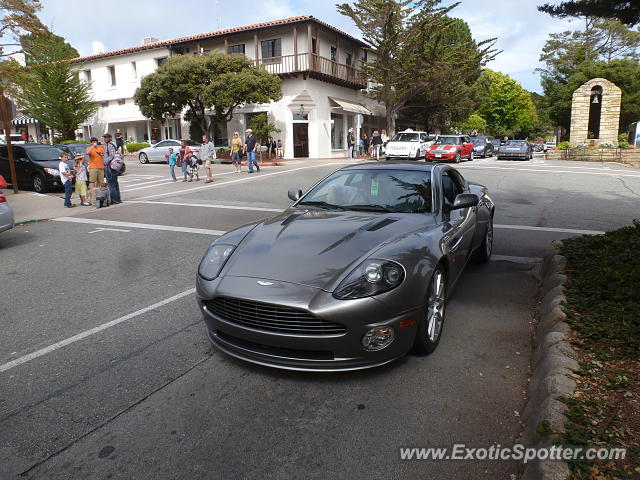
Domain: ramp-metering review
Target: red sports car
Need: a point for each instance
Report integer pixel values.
(451, 147)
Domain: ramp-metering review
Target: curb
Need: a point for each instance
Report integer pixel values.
(552, 367)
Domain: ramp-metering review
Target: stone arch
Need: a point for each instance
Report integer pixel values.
(595, 113)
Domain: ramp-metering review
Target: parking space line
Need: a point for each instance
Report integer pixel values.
(91, 331)
(610, 173)
(256, 176)
(549, 229)
(208, 205)
(148, 226)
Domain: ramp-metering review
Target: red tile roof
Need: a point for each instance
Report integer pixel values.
(217, 33)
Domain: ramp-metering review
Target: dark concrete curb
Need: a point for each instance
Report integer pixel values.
(552, 365)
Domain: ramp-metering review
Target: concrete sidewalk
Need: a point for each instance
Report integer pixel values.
(30, 206)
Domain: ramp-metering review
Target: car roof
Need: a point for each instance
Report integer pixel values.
(387, 165)
(30, 146)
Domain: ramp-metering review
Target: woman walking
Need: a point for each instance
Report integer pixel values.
(236, 146)
(384, 136)
(184, 164)
(376, 142)
(365, 144)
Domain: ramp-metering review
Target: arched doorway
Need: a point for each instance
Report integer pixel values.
(595, 112)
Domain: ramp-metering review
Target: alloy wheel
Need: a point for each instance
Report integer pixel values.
(436, 306)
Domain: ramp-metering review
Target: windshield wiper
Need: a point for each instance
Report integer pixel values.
(321, 204)
(368, 208)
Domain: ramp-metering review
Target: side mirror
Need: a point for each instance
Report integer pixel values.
(295, 194)
(465, 200)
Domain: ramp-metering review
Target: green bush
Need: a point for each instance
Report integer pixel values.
(564, 146)
(623, 144)
(623, 137)
(222, 150)
(64, 142)
(134, 147)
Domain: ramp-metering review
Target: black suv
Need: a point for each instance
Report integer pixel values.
(482, 146)
(36, 166)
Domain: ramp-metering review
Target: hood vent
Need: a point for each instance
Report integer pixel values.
(381, 224)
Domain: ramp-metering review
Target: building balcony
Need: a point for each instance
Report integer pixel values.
(314, 66)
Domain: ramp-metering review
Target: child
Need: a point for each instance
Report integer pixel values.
(279, 149)
(81, 180)
(66, 177)
(173, 159)
(193, 168)
(103, 197)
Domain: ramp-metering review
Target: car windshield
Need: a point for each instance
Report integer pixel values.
(516, 143)
(44, 154)
(398, 191)
(405, 137)
(478, 140)
(448, 141)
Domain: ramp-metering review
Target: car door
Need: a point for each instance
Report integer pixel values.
(157, 152)
(4, 164)
(23, 166)
(467, 146)
(462, 222)
(424, 146)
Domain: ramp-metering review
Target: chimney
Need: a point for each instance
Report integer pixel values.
(97, 47)
(148, 40)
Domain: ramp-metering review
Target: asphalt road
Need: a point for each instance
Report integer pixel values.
(105, 371)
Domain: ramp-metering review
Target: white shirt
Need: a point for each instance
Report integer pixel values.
(63, 168)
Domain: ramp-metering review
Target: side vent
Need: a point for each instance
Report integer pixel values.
(381, 224)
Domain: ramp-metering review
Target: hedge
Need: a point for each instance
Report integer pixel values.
(134, 147)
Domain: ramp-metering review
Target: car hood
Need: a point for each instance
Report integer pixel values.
(316, 248)
(48, 164)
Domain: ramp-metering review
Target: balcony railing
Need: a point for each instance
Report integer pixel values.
(316, 66)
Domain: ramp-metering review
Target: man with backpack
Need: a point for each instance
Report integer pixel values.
(113, 166)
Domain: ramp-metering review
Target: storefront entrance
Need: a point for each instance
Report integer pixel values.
(300, 140)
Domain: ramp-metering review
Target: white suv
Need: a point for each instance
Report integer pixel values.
(409, 145)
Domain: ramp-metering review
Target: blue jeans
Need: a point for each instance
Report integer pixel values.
(251, 160)
(184, 167)
(172, 171)
(68, 189)
(114, 187)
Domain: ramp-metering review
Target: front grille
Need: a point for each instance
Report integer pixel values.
(271, 318)
(245, 345)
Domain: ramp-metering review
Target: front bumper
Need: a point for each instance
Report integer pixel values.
(320, 353)
(441, 156)
(522, 155)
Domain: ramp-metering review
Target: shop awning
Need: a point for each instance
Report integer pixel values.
(348, 106)
(23, 120)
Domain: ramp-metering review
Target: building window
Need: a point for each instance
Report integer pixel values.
(337, 132)
(112, 75)
(348, 58)
(271, 49)
(334, 52)
(161, 61)
(235, 49)
(87, 76)
(134, 70)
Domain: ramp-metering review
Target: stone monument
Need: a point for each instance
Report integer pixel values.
(595, 113)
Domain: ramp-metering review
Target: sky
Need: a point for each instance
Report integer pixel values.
(521, 30)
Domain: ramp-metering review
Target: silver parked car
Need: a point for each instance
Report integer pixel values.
(6, 214)
(516, 149)
(356, 273)
(158, 152)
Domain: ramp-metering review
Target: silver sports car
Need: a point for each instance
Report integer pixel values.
(355, 274)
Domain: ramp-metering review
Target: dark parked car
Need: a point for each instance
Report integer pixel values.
(482, 146)
(355, 274)
(516, 149)
(496, 144)
(36, 166)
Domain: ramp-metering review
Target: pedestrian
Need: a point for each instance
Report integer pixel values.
(360, 147)
(96, 165)
(66, 177)
(208, 155)
(81, 180)
(103, 196)
(384, 136)
(173, 159)
(271, 147)
(110, 174)
(119, 141)
(184, 163)
(279, 149)
(236, 147)
(190, 161)
(250, 147)
(31, 140)
(365, 144)
(351, 143)
(376, 143)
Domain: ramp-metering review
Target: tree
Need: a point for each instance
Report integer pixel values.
(18, 18)
(509, 109)
(214, 81)
(50, 90)
(262, 129)
(475, 123)
(627, 11)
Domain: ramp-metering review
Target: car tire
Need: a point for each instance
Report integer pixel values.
(458, 157)
(483, 253)
(471, 156)
(417, 157)
(39, 183)
(430, 325)
(142, 158)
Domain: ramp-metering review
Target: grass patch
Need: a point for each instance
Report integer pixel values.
(603, 310)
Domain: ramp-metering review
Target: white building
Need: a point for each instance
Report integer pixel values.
(321, 85)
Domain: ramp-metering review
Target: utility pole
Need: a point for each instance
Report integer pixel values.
(4, 106)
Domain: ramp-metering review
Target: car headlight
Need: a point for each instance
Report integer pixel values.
(371, 277)
(214, 260)
(52, 171)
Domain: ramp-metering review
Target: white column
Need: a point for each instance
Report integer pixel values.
(148, 122)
